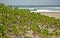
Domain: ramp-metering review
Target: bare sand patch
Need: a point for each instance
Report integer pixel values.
(51, 14)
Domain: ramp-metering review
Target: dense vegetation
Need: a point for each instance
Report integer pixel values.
(16, 23)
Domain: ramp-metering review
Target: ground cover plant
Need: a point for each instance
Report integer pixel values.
(21, 23)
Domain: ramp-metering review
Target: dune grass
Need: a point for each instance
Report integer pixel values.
(18, 22)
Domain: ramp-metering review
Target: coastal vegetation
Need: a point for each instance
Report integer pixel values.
(21, 23)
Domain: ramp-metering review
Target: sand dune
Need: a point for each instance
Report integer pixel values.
(51, 14)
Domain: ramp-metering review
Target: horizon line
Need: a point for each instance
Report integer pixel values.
(34, 5)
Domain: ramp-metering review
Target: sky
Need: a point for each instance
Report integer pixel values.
(30, 2)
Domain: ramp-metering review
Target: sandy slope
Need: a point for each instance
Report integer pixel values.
(51, 14)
